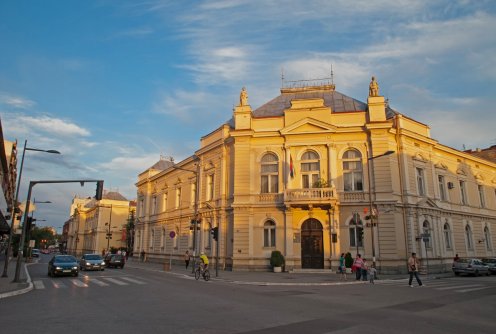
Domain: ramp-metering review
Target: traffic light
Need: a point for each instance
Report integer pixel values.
(215, 233)
(99, 190)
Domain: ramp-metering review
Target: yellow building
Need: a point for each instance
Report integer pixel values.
(96, 226)
(303, 172)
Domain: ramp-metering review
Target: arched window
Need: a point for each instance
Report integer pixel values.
(426, 229)
(468, 237)
(352, 170)
(487, 238)
(447, 236)
(310, 169)
(269, 174)
(269, 234)
(356, 231)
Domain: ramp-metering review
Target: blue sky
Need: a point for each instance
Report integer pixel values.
(114, 84)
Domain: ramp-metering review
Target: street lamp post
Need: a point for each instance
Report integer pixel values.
(371, 211)
(195, 210)
(15, 209)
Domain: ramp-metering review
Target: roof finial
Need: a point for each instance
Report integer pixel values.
(332, 76)
(282, 77)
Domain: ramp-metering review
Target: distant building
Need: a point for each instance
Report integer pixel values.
(8, 176)
(486, 153)
(315, 173)
(96, 226)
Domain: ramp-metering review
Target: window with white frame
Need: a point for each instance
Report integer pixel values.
(468, 237)
(352, 170)
(426, 229)
(487, 238)
(178, 198)
(164, 202)
(210, 187)
(193, 194)
(269, 182)
(482, 198)
(420, 181)
(463, 193)
(269, 234)
(356, 231)
(162, 239)
(310, 169)
(442, 187)
(447, 236)
(154, 204)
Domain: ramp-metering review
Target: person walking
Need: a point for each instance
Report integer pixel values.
(365, 267)
(187, 258)
(143, 255)
(342, 268)
(413, 267)
(357, 264)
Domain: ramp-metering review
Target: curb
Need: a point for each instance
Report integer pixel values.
(20, 291)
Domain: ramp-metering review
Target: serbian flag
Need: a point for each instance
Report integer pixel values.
(291, 167)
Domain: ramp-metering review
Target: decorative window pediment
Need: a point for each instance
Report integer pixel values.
(479, 176)
(441, 165)
(419, 157)
(461, 171)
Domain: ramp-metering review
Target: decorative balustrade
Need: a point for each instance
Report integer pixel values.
(309, 194)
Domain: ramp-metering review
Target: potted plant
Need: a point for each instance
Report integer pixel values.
(348, 262)
(277, 261)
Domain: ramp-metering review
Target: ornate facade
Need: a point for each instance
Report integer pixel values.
(314, 173)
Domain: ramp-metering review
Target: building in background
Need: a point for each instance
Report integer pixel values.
(97, 226)
(315, 173)
(8, 175)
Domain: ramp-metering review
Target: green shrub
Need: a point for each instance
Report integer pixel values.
(276, 259)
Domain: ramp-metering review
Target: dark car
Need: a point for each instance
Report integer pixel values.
(491, 263)
(35, 252)
(115, 260)
(91, 262)
(63, 265)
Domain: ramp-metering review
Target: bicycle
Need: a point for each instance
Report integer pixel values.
(200, 271)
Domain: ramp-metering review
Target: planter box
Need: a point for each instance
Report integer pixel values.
(277, 269)
(348, 270)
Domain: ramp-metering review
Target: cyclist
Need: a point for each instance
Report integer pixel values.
(204, 261)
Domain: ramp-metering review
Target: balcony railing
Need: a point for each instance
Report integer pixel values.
(309, 196)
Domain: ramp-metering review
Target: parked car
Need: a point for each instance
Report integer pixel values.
(115, 260)
(470, 266)
(45, 251)
(35, 252)
(63, 265)
(491, 263)
(91, 262)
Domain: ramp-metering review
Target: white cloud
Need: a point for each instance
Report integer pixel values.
(56, 126)
(133, 163)
(16, 101)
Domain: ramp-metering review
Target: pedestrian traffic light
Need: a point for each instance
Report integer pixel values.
(215, 233)
(99, 190)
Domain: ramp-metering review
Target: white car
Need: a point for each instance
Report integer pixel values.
(471, 267)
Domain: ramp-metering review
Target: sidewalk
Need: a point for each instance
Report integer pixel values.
(9, 288)
(300, 277)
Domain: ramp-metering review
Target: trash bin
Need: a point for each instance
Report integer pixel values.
(167, 266)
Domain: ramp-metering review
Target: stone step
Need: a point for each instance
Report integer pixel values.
(311, 271)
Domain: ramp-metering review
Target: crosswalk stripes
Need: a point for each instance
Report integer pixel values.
(442, 285)
(85, 282)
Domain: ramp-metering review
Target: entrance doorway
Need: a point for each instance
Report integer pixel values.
(312, 245)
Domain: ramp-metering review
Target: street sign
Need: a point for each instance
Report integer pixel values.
(172, 234)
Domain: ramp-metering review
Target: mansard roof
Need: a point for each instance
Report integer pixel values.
(114, 195)
(162, 164)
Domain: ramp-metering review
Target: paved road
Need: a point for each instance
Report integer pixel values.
(146, 301)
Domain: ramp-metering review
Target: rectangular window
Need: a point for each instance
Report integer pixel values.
(164, 202)
(178, 198)
(154, 205)
(481, 196)
(463, 193)
(193, 194)
(142, 207)
(420, 182)
(442, 187)
(210, 187)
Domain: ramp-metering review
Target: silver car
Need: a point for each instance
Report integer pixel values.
(92, 262)
(471, 267)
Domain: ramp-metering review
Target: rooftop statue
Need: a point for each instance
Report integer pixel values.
(243, 97)
(373, 88)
